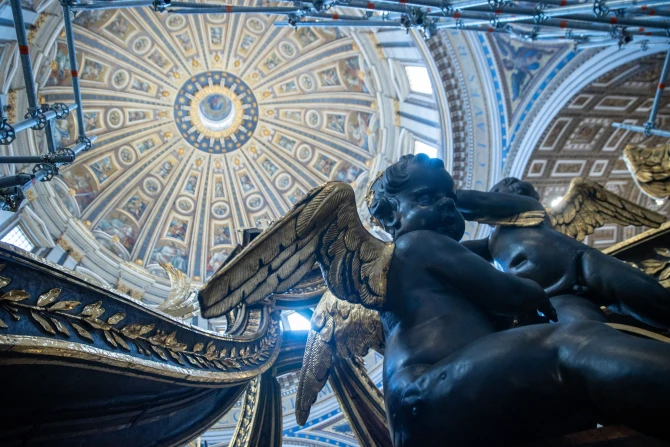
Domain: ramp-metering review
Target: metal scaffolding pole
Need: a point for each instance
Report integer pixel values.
(651, 123)
(76, 89)
(67, 157)
(227, 9)
(34, 110)
(644, 130)
(111, 5)
(48, 116)
(349, 23)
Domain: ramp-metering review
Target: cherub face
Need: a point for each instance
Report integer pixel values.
(428, 202)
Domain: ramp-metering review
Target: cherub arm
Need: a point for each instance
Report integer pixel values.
(479, 247)
(495, 206)
(494, 291)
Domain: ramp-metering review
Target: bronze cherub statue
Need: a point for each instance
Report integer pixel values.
(449, 377)
(578, 278)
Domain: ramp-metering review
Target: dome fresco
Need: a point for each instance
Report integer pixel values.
(207, 125)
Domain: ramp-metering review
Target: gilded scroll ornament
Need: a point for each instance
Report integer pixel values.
(53, 315)
(650, 167)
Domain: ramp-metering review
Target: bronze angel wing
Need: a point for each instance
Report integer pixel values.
(650, 168)
(588, 206)
(323, 227)
(341, 328)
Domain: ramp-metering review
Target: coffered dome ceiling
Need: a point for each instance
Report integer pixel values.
(207, 125)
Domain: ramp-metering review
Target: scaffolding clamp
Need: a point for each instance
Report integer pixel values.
(11, 198)
(600, 8)
(87, 142)
(38, 114)
(50, 170)
(62, 110)
(7, 134)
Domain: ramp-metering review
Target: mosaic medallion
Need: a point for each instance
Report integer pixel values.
(216, 112)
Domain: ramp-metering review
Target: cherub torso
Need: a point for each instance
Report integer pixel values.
(539, 253)
(426, 319)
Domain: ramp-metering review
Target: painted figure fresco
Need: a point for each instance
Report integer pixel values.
(214, 261)
(296, 195)
(288, 87)
(346, 172)
(357, 127)
(135, 206)
(140, 85)
(335, 122)
(126, 155)
(185, 41)
(63, 131)
(220, 209)
(89, 18)
(272, 62)
(103, 169)
(121, 226)
(64, 195)
(146, 145)
(286, 143)
(121, 27)
(151, 186)
(255, 25)
(221, 235)
(306, 36)
(140, 45)
(136, 115)
(60, 66)
(247, 184)
(82, 181)
(324, 165)
(269, 166)
(157, 58)
(329, 77)
(191, 184)
(353, 76)
(219, 191)
(177, 229)
(164, 169)
(247, 42)
(93, 71)
(521, 62)
(171, 254)
(91, 121)
(292, 115)
(216, 35)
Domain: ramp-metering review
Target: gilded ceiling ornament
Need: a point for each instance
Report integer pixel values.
(650, 168)
(216, 112)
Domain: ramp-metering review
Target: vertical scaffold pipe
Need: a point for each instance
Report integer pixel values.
(659, 93)
(69, 35)
(24, 51)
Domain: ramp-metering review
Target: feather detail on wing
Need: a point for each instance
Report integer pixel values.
(525, 219)
(323, 227)
(338, 328)
(588, 206)
(182, 301)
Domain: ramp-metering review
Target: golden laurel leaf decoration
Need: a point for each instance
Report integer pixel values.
(48, 298)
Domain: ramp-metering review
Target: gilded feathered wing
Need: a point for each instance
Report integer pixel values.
(323, 227)
(587, 206)
(650, 168)
(338, 327)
